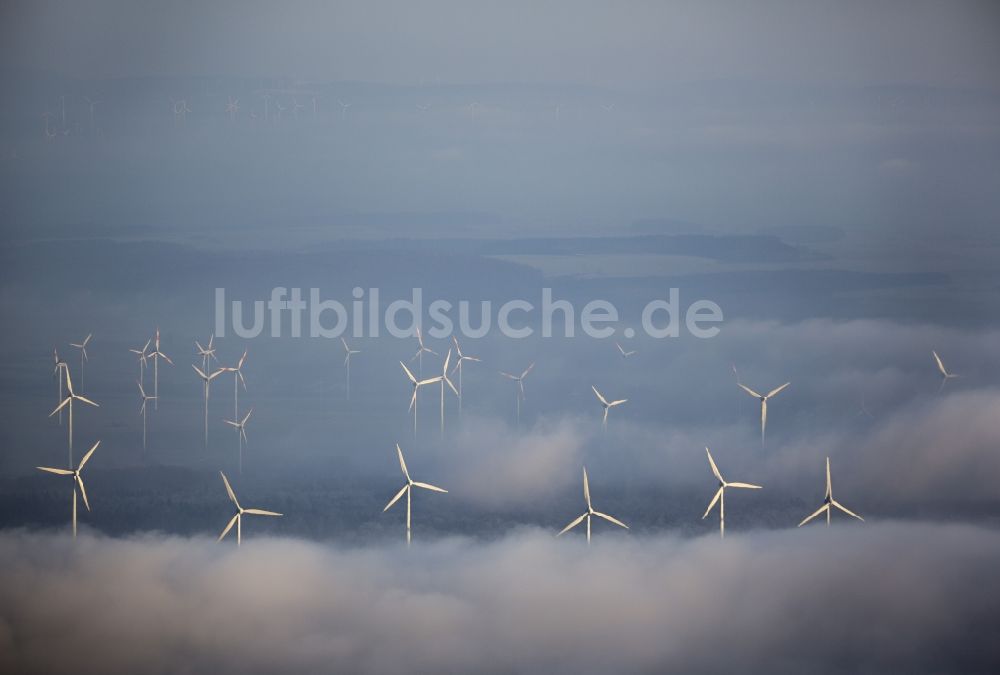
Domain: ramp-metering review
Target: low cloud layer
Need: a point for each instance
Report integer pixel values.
(883, 598)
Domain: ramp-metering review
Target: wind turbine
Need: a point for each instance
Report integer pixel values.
(240, 511)
(763, 404)
(625, 354)
(408, 490)
(207, 379)
(829, 502)
(237, 378)
(347, 362)
(156, 355)
(445, 380)
(590, 512)
(92, 105)
(720, 495)
(61, 367)
(607, 405)
(241, 428)
(69, 401)
(945, 375)
(296, 107)
(343, 109)
(206, 353)
(142, 410)
(419, 356)
(77, 480)
(142, 356)
(519, 392)
(233, 108)
(82, 346)
(416, 385)
(458, 366)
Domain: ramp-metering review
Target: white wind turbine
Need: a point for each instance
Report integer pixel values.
(69, 401)
(347, 363)
(156, 355)
(77, 480)
(416, 385)
(92, 105)
(61, 368)
(519, 392)
(237, 372)
(206, 353)
(206, 378)
(625, 354)
(419, 356)
(607, 405)
(720, 495)
(82, 346)
(408, 490)
(240, 512)
(233, 108)
(945, 375)
(142, 410)
(829, 502)
(444, 380)
(241, 429)
(141, 355)
(343, 109)
(590, 512)
(458, 366)
(763, 404)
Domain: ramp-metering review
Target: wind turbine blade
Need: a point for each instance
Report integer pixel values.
(718, 493)
(447, 360)
(346, 348)
(431, 380)
(846, 510)
(87, 456)
(817, 512)
(408, 373)
(232, 423)
(744, 485)
(413, 399)
(618, 402)
(83, 492)
(527, 370)
(747, 390)
(428, 486)
(940, 365)
(829, 483)
(61, 405)
(775, 392)
(509, 376)
(246, 417)
(572, 525)
(715, 469)
(611, 519)
(261, 512)
(61, 472)
(198, 370)
(229, 489)
(228, 527)
(450, 384)
(586, 487)
(402, 462)
(598, 395)
(86, 400)
(396, 498)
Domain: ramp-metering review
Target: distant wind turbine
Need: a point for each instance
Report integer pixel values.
(829, 502)
(206, 378)
(720, 495)
(445, 380)
(92, 105)
(458, 366)
(240, 512)
(343, 109)
(237, 372)
(347, 363)
(416, 386)
(142, 410)
(156, 355)
(77, 480)
(206, 353)
(82, 346)
(419, 356)
(607, 405)
(590, 512)
(945, 375)
(763, 404)
(69, 401)
(141, 355)
(625, 354)
(408, 490)
(233, 108)
(241, 429)
(519, 392)
(61, 368)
